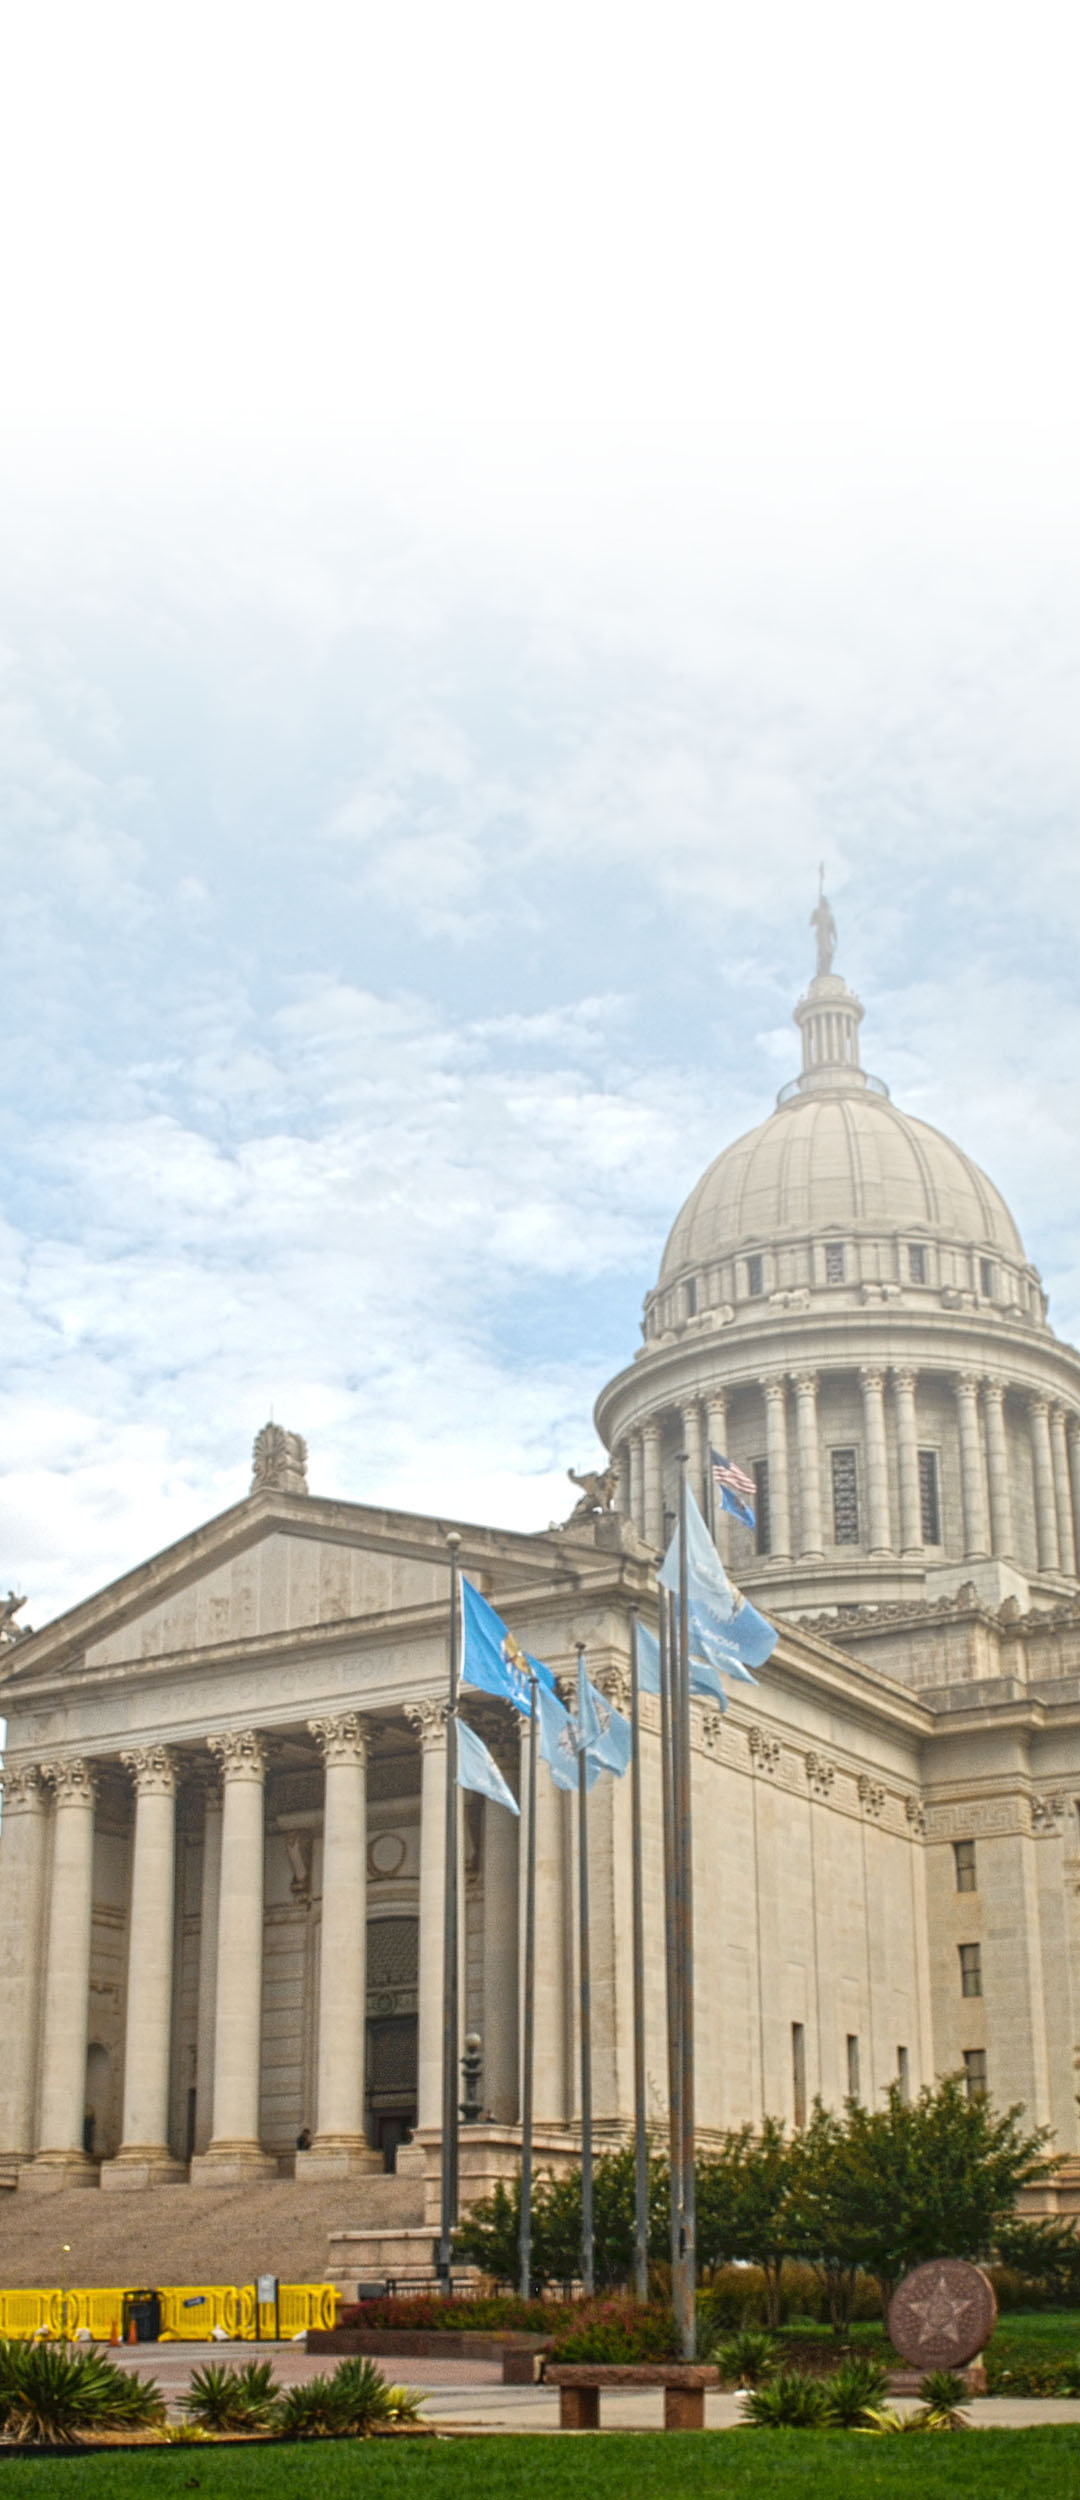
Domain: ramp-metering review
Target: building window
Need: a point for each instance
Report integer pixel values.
(964, 1856)
(929, 1499)
(853, 2065)
(970, 1970)
(834, 1262)
(763, 1529)
(916, 1259)
(975, 2074)
(903, 2074)
(845, 1498)
(691, 1297)
(755, 1274)
(986, 1277)
(798, 2072)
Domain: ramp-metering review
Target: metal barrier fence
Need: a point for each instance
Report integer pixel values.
(189, 2312)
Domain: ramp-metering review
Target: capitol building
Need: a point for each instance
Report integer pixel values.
(221, 1862)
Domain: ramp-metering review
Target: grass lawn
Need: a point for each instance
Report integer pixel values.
(1035, 2465)
(1023, 2339)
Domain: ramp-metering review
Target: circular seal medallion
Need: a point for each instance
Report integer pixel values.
(942, 2314)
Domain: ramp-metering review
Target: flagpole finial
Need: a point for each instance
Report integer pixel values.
(453, 1539)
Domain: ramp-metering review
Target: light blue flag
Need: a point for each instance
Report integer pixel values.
(725, 1629)
(557, 1743)
(703, 1678)
(603, 1735)
(648, 1660)
(490, 1656)
(476, 1769)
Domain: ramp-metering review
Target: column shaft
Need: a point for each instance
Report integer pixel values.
(654, 1490)
(1074, 1476)
(554, 1951)
(637, 1483)
(1062, 1492)
(144, 2158)
(811, 1547)
(877, 1464)
(341, 2149)
(209, 1905)
(911, 1538)
(997, 1452)
(429, 1718)
(972, 1472)
(235, 2151)
(693, 1444)
(777, 1451)
(67, 1972)
(500, 2021)
(716, 1430)
(22, 1904)
(1045, 1504)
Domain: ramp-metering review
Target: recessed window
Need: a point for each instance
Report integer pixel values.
(975, 2074)
(853, 2065)
(755, 1274)
(691, 1297)
(929, 1497)
(845, 1498)
(834, 1262)
(916, 1260)
(798, 2072)
(903, 2074)
(986, 1277)
(964, 1861)
(763, 1527)
(971, 1970)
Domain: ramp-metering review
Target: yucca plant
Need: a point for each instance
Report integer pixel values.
(942, 2396)
(747, 2358)
(310, 2411)
(354, 2401)
(223, 2399)
(790, 2401)
(851, 2391)
(54, 2395)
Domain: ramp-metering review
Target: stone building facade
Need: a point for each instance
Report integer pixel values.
(221, 1861)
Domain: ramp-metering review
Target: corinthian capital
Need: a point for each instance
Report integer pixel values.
(241, 1753)
(429, 1719)
(806, 1384)
(71, 1781)
(21, 1787)
(905, 1383)
(342, 1740)
(871, 1379)
(153, 1769)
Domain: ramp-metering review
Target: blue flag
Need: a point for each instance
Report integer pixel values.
(648, 1660)
(704, 1679)
(557, 1743)
(603, 1735)
(476, 1769)
(490, 1656)
(725, 1630)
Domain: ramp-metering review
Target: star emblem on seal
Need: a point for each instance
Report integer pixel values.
(940, 2311)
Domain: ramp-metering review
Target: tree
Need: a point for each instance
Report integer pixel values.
(744, 2205)
(935, 2177)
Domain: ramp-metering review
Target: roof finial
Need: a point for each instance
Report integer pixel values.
(821, 920)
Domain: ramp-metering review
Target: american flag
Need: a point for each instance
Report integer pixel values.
(734, 1489)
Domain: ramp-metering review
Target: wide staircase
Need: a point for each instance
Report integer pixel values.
(192, 2235)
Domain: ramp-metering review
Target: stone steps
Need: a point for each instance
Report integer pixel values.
(195, 2235)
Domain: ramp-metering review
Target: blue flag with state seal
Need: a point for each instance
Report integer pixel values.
(476, 1769)
(726, 1632)
(492, 1659)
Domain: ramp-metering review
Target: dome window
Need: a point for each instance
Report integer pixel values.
(845, 1498)
(986, 1278)
(929, 1497)
(755, 1274)
(916, 1259)
(691, 1297)
(834, 1262)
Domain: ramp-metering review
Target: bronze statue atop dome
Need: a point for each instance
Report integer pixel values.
(822, 922)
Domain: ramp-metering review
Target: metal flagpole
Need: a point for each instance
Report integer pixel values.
(687, 2287)
(525, 2235)
(448, 2215)
(587, 2232)
(671, 1929)
(641, 2142)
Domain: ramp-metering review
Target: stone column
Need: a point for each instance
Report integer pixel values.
(637, 1483)
(654, 1489)
(693, 1444)
(554, 1939)
(500, 2021)
(209, 1903)
(716, 1439)
(429, 1720)
(1062, 1492)
(621, 1463)
(1073, 1432)
(872, 1384)
(1045, 1504)
(997, 1451)
(234, 2151)
(811, 1547)
(911, 1539)
(22, 1906)
(144, 2159)
(972, 1471)
(341, 2149)
(60, 2160)
(776, 1451)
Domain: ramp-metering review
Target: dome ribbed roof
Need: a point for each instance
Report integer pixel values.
(847, 1161)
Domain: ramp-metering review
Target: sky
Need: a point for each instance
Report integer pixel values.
(487, 503)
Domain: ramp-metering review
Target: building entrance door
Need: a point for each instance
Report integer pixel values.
(390, 2081)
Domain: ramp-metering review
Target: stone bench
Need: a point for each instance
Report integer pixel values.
(580, 2382)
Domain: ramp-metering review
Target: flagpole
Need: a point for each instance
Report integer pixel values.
(525, 2239)
(587, 2231)
(687, 2282)
(449, 2182)
(641, 2142)
(671, 1931)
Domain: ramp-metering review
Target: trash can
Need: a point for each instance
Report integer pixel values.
(143, 2311)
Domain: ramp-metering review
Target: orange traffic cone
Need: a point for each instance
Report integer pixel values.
(114, 2332)
(131, 2335)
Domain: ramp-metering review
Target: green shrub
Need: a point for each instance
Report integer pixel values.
(790, 2401)
(354, 2401)
(615, 2331)
(224, 2399)
(853, 2391)
(57, 2394)
(942, 2396)
(747, 2358)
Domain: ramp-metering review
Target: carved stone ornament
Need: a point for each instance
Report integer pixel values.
(764, 1750)
(278, 1461)
(712, 1722)
(597, 1490)
(72, 1782)
(429, 1719)
(153, 1769)
(299, 1849)
(942, 2314)
(11, 1631)
(347, 1739)
(1047, 1813)
(241, 1753)
(613, 1681)
(20, 1787)
(871, 1796)
(916, 1814)
(820, 1774)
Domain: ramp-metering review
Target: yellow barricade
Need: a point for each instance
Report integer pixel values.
(189, 2312)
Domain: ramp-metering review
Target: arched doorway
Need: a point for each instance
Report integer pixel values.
(393, 1947)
